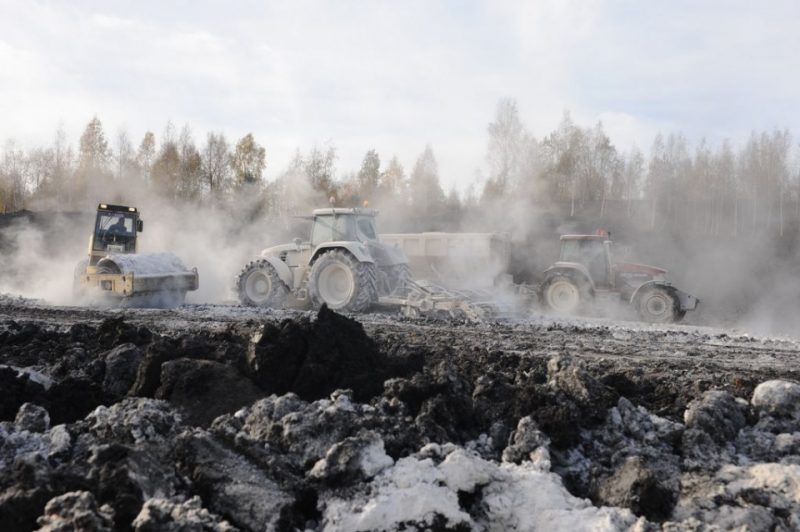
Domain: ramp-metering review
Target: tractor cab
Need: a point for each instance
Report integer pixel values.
(116, 229)
(348, 225)
(594, 253)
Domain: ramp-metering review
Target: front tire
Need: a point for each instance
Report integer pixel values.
(258, 285)
(338, 280)
(659, 305)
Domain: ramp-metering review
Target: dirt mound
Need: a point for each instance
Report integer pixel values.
(314, 357)
(313, 424)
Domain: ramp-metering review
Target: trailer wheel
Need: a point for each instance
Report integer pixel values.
(659, 305)
(258, 285)
(338, 280)
(564, 295)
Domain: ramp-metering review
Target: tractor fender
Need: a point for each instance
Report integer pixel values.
(283, 271)
(644, 286)
(356, 249)
(685, 300)
(571, 268)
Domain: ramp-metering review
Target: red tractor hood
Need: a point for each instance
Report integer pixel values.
(631, 267)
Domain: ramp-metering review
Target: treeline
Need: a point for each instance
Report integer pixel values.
(574, 171)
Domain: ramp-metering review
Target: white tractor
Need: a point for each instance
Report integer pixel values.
(343, 265)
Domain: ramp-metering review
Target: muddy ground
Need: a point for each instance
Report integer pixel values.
(214, 417)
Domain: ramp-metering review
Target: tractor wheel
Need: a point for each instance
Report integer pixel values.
(338, 280)
(564, 295)
(259, 285)
(658, 305)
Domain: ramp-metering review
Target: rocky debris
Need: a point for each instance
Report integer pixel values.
(630, 456)
(204, 389)
(719, 414)
(761, 497)
(166, 515)
(291, 426)
(524, 441)
(18, 389)
(314, 357)
(114, 332)
(121, 365)
(32, 418)
(358, 457)
(778, 398)
(569, 376)
(76, 510)
(233, 486)
(638, 486)
(313, 425)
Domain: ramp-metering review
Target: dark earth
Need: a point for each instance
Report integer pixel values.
(226, 418)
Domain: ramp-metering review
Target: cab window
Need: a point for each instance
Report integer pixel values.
(115, 229)
(322, 230)
(366, 228)
(343, 228)
(571, 251)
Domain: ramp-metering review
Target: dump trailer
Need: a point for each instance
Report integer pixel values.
(456, 260)
(116, 272)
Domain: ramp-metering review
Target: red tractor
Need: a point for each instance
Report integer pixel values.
(586, 272)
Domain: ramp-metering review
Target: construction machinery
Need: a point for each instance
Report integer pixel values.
(114, 270)
(476, 265)
(345, 266)
(587, 273)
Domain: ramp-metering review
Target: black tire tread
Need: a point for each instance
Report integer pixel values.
(279, 289)
(674, 316)
(366, 281)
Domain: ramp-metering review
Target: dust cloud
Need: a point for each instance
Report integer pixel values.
(747, 282)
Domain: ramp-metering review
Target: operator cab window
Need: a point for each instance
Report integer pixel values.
(343, 228)
(115, 229)
(322, 231)
(329, 228)
(571, 251)
(366, 229)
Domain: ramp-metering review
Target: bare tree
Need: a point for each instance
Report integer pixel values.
(216, 163)
(146, 155)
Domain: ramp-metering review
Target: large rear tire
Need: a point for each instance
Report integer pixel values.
(259, 285)
(658, 305)
(564, 295)
(338, 280)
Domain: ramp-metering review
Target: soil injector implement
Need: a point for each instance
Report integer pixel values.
(114, 270)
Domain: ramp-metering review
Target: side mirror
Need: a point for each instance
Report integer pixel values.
(297, 242)
(139, 226)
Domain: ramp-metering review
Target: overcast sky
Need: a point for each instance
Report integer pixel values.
(395, 76)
